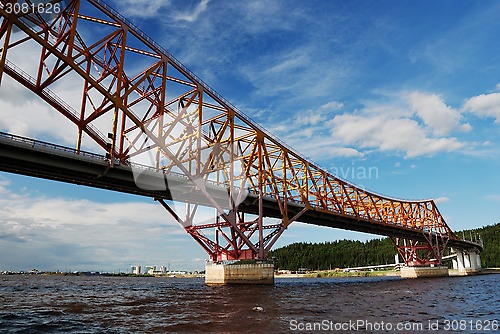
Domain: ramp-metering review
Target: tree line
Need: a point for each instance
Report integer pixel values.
(349, 253)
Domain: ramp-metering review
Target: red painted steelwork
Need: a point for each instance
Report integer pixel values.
(157, 112)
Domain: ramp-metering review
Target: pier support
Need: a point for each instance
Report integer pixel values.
(239, 273)
(417, 272)
(466, 262)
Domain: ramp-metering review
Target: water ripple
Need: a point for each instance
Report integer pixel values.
(57, 304)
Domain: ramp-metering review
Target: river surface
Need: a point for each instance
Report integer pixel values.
(72, 304)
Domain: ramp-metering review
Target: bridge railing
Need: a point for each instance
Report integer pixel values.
(35, 143)
(42, 144)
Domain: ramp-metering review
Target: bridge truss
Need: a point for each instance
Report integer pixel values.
(138, 104)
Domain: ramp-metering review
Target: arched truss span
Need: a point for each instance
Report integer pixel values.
(134, 101)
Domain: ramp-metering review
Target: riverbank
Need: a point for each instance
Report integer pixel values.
(337, 273)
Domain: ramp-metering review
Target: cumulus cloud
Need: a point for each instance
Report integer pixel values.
(411, 123)
(311, 135)
(415, 123)
(431, 108)
(484, 105)
(387, 134)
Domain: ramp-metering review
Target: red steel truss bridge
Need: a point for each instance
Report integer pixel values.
(145, 124)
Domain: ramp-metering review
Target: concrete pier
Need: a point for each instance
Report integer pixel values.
(466, 262)
(417, 272)
(239, 273)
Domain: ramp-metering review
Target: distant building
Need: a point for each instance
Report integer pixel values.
(154, 270)
(178, 272)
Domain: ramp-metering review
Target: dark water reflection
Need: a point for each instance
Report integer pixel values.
(68, 304)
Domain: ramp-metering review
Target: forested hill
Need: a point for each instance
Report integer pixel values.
(348, 253)
(490, 257)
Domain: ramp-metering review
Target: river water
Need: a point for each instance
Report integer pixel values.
(72, 304)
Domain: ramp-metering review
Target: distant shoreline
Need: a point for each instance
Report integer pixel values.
(379, 273)
(309, 274)
(98, 274)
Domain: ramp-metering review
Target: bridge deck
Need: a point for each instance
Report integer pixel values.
(39, 159)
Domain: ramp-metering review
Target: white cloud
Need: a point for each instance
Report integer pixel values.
(299, 72)
(191, 15)
(24, 113)
(441, 200)
(346, 152)
(262, 16)
(88, 235)
(412, 123)
(4, 183)
(142, 8)
(18, 109)
(384, 133)
(434, 112)
(310, 135)
(493, 198)
(318, 146)
(314, 117)
(333, 105)
(465, 127)
(484, 105)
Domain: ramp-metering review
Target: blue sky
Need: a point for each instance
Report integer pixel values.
(407, 90)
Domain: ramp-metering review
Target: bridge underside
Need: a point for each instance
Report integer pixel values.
(62, 164)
